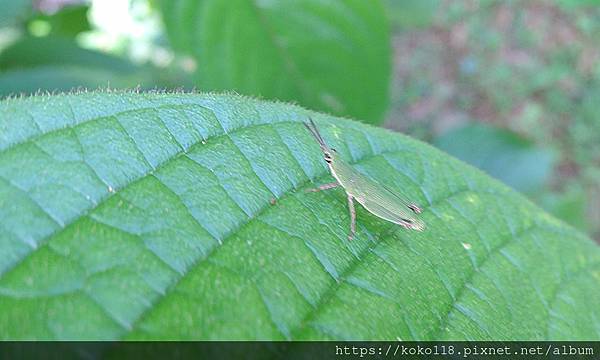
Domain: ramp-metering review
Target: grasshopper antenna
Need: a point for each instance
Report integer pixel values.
(315, 132)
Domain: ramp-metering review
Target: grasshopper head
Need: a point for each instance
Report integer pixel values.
(329, 154)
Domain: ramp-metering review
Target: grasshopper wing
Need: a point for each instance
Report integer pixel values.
(388, 206)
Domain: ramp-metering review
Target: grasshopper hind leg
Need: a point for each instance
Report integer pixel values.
(352, 217)
(324, 187)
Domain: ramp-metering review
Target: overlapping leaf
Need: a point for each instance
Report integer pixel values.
(52, 63)
(332, 56)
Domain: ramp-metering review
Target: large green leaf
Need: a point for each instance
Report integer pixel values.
(332, 56)
(31, 52)
(151, 216)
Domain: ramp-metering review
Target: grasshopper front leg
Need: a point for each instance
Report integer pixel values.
(352, 217)
(324, 187)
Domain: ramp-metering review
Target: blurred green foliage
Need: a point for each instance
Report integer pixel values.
(330, 56)
(57, 63)
(503, 154)
(68, 22)
(31, 52)
(411, 14)
(14, 11)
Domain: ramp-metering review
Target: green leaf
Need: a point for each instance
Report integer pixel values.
(407, 14)
(57, 64)
(54, 50)
(63, 78)
(332, 56)
(503, 154)
(152, 216)
(68, 21)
